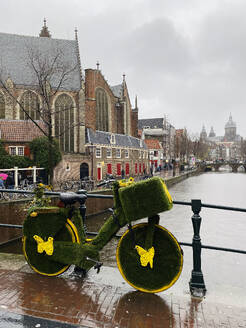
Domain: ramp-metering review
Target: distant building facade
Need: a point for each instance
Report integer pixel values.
(225, 147)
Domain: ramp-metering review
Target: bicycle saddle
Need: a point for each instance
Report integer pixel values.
(70, 198)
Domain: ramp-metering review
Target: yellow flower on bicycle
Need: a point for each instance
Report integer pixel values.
(125, 182)
(33, 214)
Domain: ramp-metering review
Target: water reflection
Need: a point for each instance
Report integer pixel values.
(142, 310)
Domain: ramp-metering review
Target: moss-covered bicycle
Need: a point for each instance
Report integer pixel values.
(148, 255)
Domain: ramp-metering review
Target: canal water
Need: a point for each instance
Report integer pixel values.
(224, 273)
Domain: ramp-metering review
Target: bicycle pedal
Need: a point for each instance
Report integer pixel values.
(97, 265)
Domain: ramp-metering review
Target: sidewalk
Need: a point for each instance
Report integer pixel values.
(103, 301)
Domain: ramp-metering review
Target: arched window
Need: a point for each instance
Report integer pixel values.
(101, 110)
(31, 105)
(2, 106)
(64, 122)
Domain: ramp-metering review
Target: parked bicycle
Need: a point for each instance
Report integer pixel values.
(75, 185)
(106, 184)
(148, 256)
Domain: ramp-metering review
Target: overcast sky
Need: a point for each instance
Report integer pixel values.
(185, 59)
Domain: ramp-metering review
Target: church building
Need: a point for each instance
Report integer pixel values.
(94, 122)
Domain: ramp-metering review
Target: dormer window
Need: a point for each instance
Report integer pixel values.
(146, 127)
(112, 140)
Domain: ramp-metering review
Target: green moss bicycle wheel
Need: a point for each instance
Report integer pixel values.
(167, 260)
(42, 263)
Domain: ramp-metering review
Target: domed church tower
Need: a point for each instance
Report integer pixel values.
(212, 133)
(203, 134)
(230, 130)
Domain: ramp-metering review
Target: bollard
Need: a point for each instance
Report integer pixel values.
(197, 285)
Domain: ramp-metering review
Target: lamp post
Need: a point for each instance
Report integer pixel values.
(92, 160)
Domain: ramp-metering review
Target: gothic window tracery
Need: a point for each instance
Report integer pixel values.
(102, 123)
(30, 103)
(2, 107)
(64, 122)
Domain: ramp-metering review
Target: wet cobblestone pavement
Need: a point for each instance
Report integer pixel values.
(100, 301)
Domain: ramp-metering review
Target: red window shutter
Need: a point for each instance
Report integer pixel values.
(118, 169)
(136, 168)
(127, 169)
(155, 163)
(27, 151)
(109, 168)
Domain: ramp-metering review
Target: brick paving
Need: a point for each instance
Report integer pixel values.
(72, 300)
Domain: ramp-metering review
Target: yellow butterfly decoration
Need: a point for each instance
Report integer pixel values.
(44, 246)
(146, 256)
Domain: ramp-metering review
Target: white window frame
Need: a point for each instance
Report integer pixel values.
(126, 153)
(19, 150)
(118, 153)
(109, 155)
(98, 152)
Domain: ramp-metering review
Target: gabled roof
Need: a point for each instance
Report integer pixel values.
(153, 144)
(153, 123)
(14, 58)
(20, 130)
(121, 140)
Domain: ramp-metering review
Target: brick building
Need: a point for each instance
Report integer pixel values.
(111, 143)
(155, 153)
(89, 114)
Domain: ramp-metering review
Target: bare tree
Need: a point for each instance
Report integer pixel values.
(50, 74)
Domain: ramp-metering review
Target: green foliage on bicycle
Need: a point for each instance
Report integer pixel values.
(145, 199)
(148, 256)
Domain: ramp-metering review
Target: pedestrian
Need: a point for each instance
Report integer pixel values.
(2, 185)
(151, 170)
(122, 174)
(9, 183)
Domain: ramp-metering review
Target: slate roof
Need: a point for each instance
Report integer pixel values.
(121, 140)
(117, 90)
(19, 130)
(151, 122)
(14, 58)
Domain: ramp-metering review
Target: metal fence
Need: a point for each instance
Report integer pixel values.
(196, 283)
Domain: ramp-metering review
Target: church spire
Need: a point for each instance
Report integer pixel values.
(136, 102)
(45, 32)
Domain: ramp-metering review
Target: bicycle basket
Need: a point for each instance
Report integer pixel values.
(145, 199)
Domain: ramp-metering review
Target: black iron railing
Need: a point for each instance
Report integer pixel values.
(197, 284)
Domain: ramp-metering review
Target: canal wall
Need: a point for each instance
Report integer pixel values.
(170, 181)
(12, 212)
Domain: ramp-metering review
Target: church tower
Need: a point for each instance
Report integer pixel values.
(45, 32)
(203, 134)
(212, 133)
(230, 130)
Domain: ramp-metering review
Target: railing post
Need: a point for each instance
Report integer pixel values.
(197, 285)
(16, 176)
